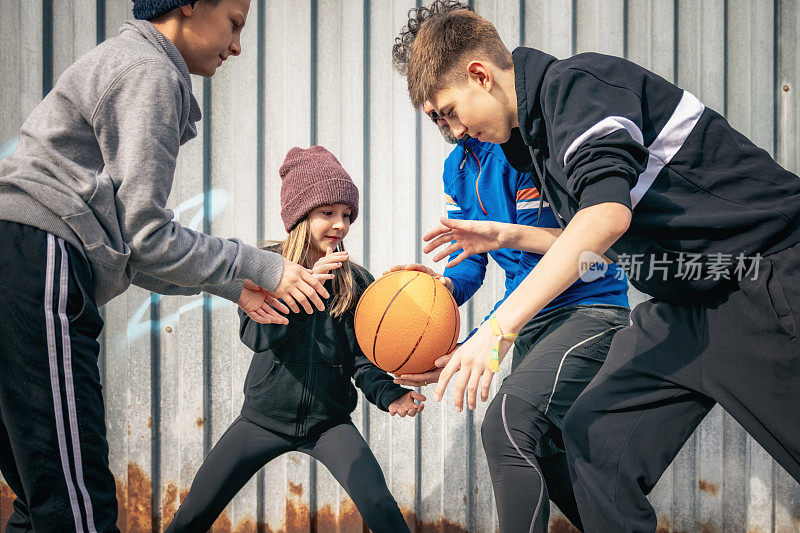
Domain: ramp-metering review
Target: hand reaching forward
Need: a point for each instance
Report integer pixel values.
(261, 305)
(471, 361)
(299, 285)
(470, 236)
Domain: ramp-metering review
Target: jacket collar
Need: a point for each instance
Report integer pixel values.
(530, 66)
(146, 29)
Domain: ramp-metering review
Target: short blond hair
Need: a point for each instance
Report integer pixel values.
(442, 47)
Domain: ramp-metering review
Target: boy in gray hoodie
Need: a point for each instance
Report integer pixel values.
(82, 217)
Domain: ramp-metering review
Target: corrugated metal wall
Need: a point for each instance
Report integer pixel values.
(320, 72)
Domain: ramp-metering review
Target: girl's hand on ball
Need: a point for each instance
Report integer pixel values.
(325, 264)
(426, 378)
(407, 404)
(471, 361)
(447, 282)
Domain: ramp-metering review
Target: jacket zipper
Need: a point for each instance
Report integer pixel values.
(305, 402)
(477, 193)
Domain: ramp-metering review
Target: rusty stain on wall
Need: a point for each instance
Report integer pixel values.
(296, 489)
(348, 518)
(135, 501)
(223, 525)
(170, 503)
(663, 525)
(560, 524)
(6, 503)
(705, 486)
(134, 497)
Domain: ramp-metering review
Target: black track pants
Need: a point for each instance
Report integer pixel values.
(53, 448)
(524, 483)
(665, 372)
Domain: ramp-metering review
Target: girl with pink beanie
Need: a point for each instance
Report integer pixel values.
(299, 389)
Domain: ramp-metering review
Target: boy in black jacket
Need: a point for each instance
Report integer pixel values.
(701, 218)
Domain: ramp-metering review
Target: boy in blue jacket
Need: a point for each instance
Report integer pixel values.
(557, 352)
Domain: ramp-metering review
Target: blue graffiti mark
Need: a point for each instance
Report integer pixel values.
(8, 147)
(137, 325)
(218, 199)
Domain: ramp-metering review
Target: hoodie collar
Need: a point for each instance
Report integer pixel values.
(148, 31)
(162, 43)
(530, 66)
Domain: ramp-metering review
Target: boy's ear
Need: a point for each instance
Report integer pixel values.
(187, 10)
(479, 72)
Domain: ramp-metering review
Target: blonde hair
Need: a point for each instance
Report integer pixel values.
(296, 247)
(446, 40)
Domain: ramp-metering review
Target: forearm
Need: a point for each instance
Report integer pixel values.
(528, 238)
(593, 229)
(230, 291)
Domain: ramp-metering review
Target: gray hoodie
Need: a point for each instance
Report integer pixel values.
(95, 165)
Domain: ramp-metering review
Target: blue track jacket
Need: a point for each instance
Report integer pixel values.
(480, 184)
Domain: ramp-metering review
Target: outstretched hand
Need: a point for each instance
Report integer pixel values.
(470, 236)
(471, 361)
(299, 287)
(261, 305)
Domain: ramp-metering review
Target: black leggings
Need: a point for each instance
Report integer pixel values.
(523, 483)
(245, 447)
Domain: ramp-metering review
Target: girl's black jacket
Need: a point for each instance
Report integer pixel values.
(299, 381)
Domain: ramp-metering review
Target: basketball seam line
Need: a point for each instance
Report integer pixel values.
(427, 323)
(377, 330)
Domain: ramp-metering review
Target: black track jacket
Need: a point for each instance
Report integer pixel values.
(299, 381)
(602, 129)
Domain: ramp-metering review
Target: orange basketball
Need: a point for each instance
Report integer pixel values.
(406, 320)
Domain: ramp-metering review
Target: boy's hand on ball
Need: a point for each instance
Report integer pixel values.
(330, 261)
(261, 305)
(469, 236)
(298, 285)
(447, 282)
(407, 404)
(426, 378)
(471, 361)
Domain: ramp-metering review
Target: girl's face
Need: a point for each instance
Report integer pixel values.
(328, 225)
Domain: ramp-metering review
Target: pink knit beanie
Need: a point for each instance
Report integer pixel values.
(311, 177)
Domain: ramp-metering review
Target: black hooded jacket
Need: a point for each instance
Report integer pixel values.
(299, 381)
(597, 128)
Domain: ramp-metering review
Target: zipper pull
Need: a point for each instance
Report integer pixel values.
(463, 161)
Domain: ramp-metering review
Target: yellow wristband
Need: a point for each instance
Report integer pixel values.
(494, 361)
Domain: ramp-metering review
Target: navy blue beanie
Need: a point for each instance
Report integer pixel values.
(150, 9)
